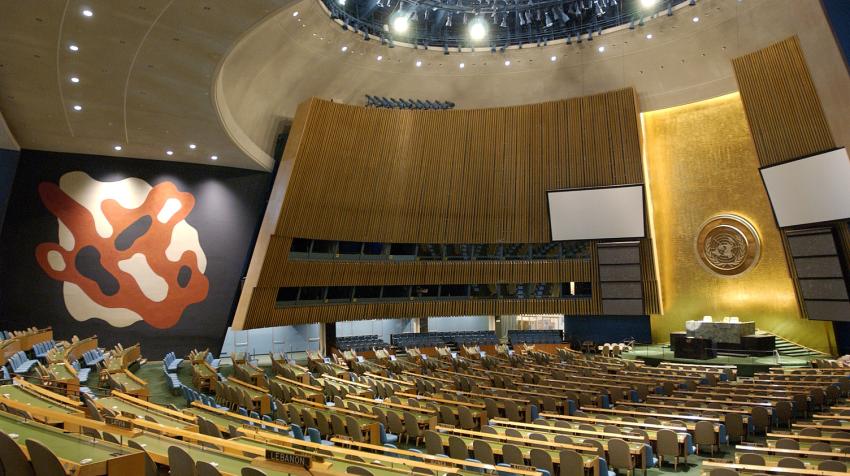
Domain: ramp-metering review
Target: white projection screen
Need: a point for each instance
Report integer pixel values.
(596, 213)
(810, 190)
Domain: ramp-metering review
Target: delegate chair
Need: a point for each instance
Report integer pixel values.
(180, 462)
(751, 458)
(12, 457)
(619, 456)
(248, 471)
(150, 466)
(571, 463)
(44, 462)
(483, 452)
(540, 459)
(791, 463)
(511, 454)
(205, 469)
(457, 448)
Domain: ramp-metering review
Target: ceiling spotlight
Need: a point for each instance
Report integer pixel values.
(118, 147)
(73, 47)
(648, 3)
(344, 49)
(649, 36)
(461, 66)
(418, 63)
(295, 13)
(696, 19)
(213, 157)
(341, 2)
(169, 152)
(193, 146)
(554, 58)
(380, 57)
(507, 62)
(87, 13)
(601, 49)
(74, 79)
(77, 107)
(477, 30)
(401, 23)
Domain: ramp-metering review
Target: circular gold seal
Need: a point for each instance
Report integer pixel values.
(728, 245)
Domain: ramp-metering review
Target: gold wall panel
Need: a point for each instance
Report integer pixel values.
(702, 162)
(782, 105)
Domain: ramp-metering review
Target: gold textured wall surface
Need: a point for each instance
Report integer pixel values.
(702, 162)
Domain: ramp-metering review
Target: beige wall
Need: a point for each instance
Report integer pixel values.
(284, 61)
(7, 140)
(701, 162)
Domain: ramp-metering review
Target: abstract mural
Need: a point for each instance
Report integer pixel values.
(125, 252)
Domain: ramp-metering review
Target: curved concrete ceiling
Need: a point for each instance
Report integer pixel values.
(158, 75)
(145, 72)
(289, 58)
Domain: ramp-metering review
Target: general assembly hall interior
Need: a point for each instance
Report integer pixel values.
(424, 237)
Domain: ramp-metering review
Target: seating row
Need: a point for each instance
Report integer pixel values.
(93, 357)
(360, 343)
(20, 363)
(171, 362)
(40, 349)
(433, 339)
(548, 336)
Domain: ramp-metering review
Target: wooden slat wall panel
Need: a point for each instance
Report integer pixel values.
(454, 176)
(460, 176)
(651, 301)
(268, 315)
(782, 105)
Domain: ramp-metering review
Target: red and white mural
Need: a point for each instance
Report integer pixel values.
(125, 252)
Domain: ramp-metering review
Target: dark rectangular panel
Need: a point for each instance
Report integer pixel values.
(812, 244)
(823, 288)
(622, 306)
(828, 310)
(621, 290)
(628, 272)
(618, 254)
(823, 267)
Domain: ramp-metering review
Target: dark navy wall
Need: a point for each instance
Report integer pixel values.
(8, 166)
(228, 204)
(603, 329)
(838, 13)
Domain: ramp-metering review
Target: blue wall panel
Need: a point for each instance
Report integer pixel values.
(838, 13)
(607, 328)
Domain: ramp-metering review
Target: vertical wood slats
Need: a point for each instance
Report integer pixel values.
(461, 176)
(782, 105)
(407, 176)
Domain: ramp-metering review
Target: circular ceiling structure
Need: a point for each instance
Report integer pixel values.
(494, 24)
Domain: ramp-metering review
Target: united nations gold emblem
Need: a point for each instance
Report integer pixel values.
(728, 245)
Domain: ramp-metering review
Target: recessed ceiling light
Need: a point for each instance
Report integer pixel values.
(117, 147)
(73, 47)
(75, 79)
(169, 152)
(649, 36)
(553, 58)
(344, 49)
(380, 57)
(461, 66)
(601, 49)
(295, 13)
(418, 63)
(696, 19)
(213, 157)
(507, 62)
(87, 13)
(193, 146)
(77, 107)
(648, 3)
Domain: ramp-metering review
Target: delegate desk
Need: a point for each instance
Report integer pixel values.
(82, 456)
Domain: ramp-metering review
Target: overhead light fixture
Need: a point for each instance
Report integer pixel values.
(649, 36)
(341, 2)
(507, 62)
(648, 3)
(213, 157)
(87, 13)
(193, 146)
(553, 58)
(73, 47)
(295, 13)
(461, 66)
(74, 79)
(344, 49)
(601, 49)
(169, 152)
(477, 30)
(401, 23)
(696, 20)
(380, 57)
(117, 147)
(418, 63)
(77, 107)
